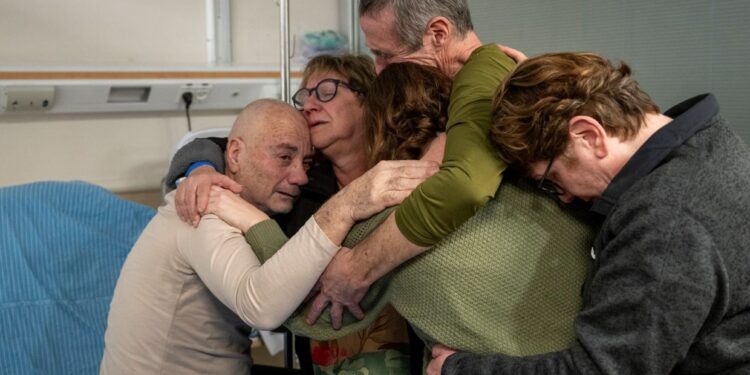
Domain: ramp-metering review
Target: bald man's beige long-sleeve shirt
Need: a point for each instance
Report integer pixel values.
(186, 296)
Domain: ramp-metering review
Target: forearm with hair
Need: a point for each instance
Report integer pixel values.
(334, 220)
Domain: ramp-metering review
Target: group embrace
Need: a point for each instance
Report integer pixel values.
(451, 207)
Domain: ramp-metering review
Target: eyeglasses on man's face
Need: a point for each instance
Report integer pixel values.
(548, 186)
(324, 91)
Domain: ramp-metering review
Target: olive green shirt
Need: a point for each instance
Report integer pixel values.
(471, 171)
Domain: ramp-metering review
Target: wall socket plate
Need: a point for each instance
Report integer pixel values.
(28, 98)
(201, 91)
(137, 95)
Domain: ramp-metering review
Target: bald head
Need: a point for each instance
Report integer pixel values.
(261, 114)
(268, 154)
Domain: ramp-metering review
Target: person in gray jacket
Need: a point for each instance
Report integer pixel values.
(669, 292)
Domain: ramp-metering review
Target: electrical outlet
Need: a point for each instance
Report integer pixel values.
(29, 98)
(200, 91)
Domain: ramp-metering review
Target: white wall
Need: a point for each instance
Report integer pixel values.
(107, 32)
(128, 151)
(119, 152)
(145, 32)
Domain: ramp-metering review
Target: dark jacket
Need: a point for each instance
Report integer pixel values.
(670, 288)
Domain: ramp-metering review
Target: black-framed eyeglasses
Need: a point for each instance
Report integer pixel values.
(325, 91)
(548, 186)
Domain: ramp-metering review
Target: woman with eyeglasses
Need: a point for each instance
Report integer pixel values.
(331, 99)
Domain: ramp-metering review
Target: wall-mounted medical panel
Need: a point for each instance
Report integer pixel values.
(102, 96)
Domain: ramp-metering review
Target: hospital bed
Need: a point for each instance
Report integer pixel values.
(61, 248)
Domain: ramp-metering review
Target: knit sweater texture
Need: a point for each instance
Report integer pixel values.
(508, 280)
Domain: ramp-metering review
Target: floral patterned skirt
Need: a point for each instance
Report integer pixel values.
(381, 348)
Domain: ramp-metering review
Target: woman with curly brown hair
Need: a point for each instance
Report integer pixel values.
(401, 123)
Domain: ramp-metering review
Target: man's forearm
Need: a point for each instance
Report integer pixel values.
(385, 185)
(334, 219)
(385, 249)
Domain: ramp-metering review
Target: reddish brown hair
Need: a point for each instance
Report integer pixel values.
(406, 107)
(531, 110)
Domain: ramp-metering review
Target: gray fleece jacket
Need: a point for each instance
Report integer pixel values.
(670, 289)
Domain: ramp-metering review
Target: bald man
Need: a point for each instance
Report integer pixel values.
(186, 296)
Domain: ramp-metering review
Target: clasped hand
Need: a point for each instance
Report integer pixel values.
(232, 209)
(344, 282)
(192, 194)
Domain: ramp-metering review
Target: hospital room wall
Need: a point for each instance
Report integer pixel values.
(676, 48)
(126, 151)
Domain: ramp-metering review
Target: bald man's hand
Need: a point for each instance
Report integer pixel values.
(233, 210)
(192, 193)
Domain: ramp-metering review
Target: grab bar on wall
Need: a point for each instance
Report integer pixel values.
(353, 27)
(284, 36)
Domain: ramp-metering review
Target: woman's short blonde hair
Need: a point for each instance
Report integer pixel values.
(358, 70)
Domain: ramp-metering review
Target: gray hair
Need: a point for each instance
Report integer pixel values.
(412, 17)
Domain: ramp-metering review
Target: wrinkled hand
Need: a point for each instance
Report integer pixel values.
(343, 283)
(342, 286)
(439, 354)
(513, 53)
(192, 193)
(385, 185)
(234, 210)
(313, 292)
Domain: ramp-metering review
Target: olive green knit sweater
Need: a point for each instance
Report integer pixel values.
(508, 280)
